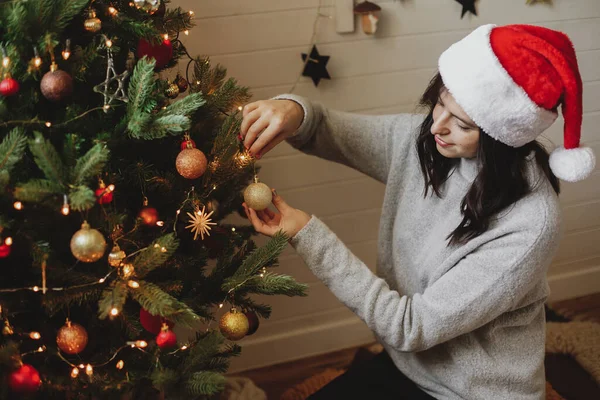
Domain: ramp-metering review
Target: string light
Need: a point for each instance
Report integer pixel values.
(5, 58)
(127, 270)
(191, 12)
(101, 280)
(160, 223)
(67, 51)
(18, 205)
(109, 43)
(37, 61)
(163, 249)
(240, 108)
(89, 370)
(48, 124)
(186, 32)
(141, 344)
(114, 311)
(133, 284)
(232, 229)
(81, 366)
(106, 107)
(36, 288)
(184, 347)
(65, 208)
(74, 372)
(120, 364)
(113, 11)
(41, 349)
(221, 305)
(8, 241)
(35, 335)
(166, 36)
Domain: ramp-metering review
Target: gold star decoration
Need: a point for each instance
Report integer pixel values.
(107, 86)
(530, 2)
(200, 223)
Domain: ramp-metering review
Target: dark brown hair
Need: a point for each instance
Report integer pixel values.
(500, 182)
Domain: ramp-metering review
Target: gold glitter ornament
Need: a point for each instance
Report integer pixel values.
(234, 325)
(172, 91)
(191, 163)
(92, 23)
(257, 195)
(56, 84)
(115, 256)
(72, 338)
(87, 244)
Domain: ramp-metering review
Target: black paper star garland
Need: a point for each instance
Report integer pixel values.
(468, 5)
(316, 66)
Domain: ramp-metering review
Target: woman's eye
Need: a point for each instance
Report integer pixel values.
(464, 128)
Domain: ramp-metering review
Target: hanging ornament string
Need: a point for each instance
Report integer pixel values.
(57, 289)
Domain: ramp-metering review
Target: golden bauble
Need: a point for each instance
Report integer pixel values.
(115, 256)
(234, 325)
(191, 163)
(72, 338)
(87, 244)
(258, 196)
(92, 23)
(172, 91)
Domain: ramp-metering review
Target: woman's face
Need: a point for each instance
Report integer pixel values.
(456, 135)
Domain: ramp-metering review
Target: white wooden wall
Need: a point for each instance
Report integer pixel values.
(260, 42)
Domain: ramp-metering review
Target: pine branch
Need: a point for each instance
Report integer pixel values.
(9, 353)
(154, 256)
(71, 149)
(141, 86)
(90, 164)
(263, 310)
(185, 106)
(56, 301)
(205, 383)
(56, 14)
(262, 256)
(157, 302)
(164, 379)
(47, 159)
(112, 298)
(206, 347)
(167, 125)
(12, 149)
(272, 284)
(82, 198)
(38, 190)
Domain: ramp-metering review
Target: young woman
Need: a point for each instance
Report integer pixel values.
(470, 219)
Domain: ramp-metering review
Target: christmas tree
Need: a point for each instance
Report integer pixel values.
(115, 186)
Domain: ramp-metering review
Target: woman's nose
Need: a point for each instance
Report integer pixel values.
(440, 125)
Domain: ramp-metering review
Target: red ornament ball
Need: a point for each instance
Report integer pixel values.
(149, 215)
(184, 144)
(253, 322)
(9, 87)
(4, 250)
(166, 339)
(162, 52)
(153, 323)
(26, 379)
(104, 195)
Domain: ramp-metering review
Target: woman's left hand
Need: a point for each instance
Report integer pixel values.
(289, 219)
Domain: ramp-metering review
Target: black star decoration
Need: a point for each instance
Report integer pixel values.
(316, 66)
(468, 5)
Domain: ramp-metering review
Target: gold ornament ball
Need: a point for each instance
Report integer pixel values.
(258, 196)
(92, 23)
(56, 84)
(234, 325)
(172, 91)
(72, 338)
(115, 256)
(191, 163)
(87, 244)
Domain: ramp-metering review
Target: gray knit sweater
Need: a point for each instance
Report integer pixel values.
(463, 321)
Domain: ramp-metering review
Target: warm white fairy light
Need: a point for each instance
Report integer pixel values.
(109, 43)
(166, 36)
(89, 370)
(35, 335)
(214, 187)
(106, 107)
(160, 223)
(101, 280)
(178, 212)
(48, 124)
(81, 366)
(5, 61)
(36, 289)
(65, 208)
(18, 205)
(120, 364)
(163, 249)
(191, 12)
(41, 349)
(221, 305)
(114, 311)
(240, 108)
(37, 61)
(232, 229)
(113, 11)
(8, 241)
(141, 344)
(133, 284)
(184, 347)
(186, 32)
(74, 372)
(128, 270)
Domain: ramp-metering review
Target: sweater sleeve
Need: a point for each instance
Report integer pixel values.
(483, 285)
(362, 142)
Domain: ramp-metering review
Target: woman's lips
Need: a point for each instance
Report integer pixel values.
(441, 142)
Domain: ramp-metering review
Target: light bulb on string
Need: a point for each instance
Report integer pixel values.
(114, 311)
(37, 60)
(74, 372)
(35, 335)
(65, 208)
(89, 370)
(48, 124)
(113, 11)
(8, 241)
(18, 205)
(109, 43)
(186, 32)
(120, 364)
(66, 53)
(5, 58)
(166, 36)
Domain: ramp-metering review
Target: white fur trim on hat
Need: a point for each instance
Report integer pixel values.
(486, 92)
(572, 165)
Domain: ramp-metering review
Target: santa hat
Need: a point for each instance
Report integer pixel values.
(510, 80)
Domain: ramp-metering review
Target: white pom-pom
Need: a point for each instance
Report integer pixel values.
(572, 165)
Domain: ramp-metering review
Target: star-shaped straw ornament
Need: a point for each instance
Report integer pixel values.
(200, 223)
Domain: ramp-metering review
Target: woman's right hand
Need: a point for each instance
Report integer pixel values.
(266, 123)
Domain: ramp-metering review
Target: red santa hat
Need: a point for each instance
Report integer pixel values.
(510, 80)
